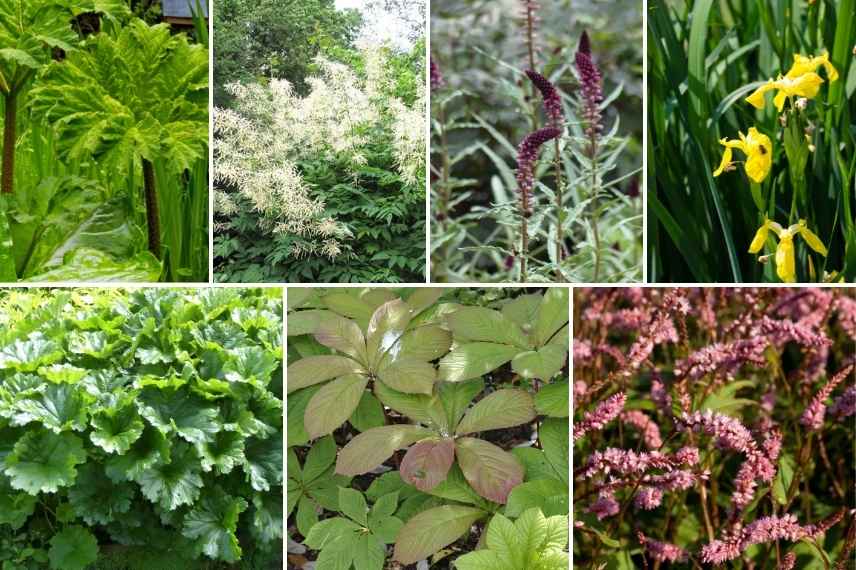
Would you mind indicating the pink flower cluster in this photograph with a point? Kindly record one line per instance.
(765, 529)
(661, 551)
(605, 412)
(814, 413)
(650, 431)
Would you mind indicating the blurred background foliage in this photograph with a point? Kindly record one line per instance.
(479, 46)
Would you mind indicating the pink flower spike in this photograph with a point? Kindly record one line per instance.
(814, 413)
(845, 405)
(649, 429)
(605, 412)
(527, 154)
(662, 551)
(788, 561)
(605, 506)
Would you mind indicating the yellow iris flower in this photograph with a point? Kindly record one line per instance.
(759, 154)
(785, 260)
(801, 80)
(803, 65)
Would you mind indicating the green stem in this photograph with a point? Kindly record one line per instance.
(152, 214)
(9, 135)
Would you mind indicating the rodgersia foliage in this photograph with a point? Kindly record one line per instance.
(415, 415)
(714, 427)
(150, 420)
(321, 172)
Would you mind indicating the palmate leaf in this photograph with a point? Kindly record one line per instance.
(115, 429)
(212, 524)
(73, 548)
(252, 364)
(140, 93)
(333, 404)
(263, 462)
(15, 507)
(42, 462)
(180, 412)
(474, 359)
(372, 447)
(28, 355)
(96, 499)
(223, 453)
(173, 484)
(150, 448)
(58, 407)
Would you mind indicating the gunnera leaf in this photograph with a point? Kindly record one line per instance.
(42, 462)
(175, 483)
(28, 355)
(212, 524)
(73, 548)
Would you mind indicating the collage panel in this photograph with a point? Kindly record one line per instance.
(751, 142)
(141, 428)
(427, 427)
(536, 141)
(319, 141)
(713, 427)
(105, 142)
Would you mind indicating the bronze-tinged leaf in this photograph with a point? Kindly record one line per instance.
(431, 530)
(490, 470)
(385, 329)
(410, 376)
(343, 335)
(316, 369)
(474, 359)
(426, 464)
(374, 446)
(423, 298)
(333, 404)
(502, 409)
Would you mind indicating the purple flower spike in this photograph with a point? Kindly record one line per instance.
(437, 81)
(591, 83)
(552, 100)
(527, 154)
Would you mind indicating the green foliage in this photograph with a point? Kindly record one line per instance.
(151, 417)
(701, 67)
(270, 38)
(447, 430)
(77, 212)
(532, 542)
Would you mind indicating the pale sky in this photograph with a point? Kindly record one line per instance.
(379, 26)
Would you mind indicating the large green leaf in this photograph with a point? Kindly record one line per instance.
(386, 327)
(73, 548)
(492, 471)
(115, 429)
(212, 524)
(431, 530)
(552, 314)
(372, 447)
(42, 462)
(15, 508)
(501, 409)
(426, 342)
(179, 412)
(341, 334)
(548, 495)
(96, 499)
(138, 93)
(59, 407)
(352, 504)
(92, 265)
(173, 484)
(474, 359)
(554, 399)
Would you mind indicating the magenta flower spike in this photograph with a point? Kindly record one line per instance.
(591, 85)
(605, 412)
(527, 155)
(437, 80)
